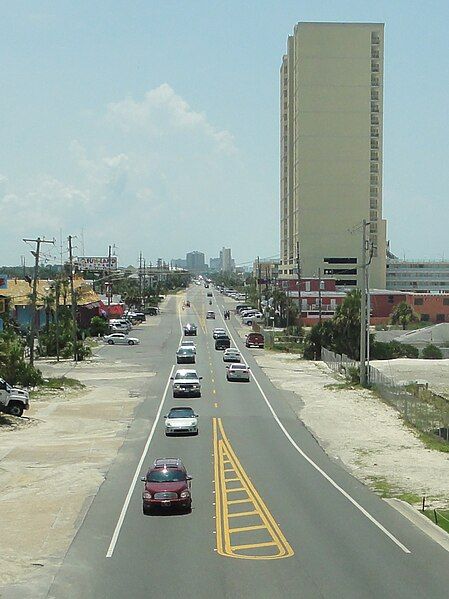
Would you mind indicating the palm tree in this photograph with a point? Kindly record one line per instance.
(403, 314)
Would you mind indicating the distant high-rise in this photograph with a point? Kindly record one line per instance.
(215, 263)
(331, 109)
(226, 261)
(195, 262)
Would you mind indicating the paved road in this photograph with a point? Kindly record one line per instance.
(272, 515)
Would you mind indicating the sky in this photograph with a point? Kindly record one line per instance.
(153, 126)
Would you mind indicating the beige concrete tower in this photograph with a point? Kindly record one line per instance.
(331, 109)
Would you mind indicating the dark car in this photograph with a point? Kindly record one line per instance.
(209, 294)
(254, 340)
(167, 485)
(151, 311)
(190, 329)
(185, 355)
(139, 317)
(222, 342)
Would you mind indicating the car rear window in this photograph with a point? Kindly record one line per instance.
(165, 476)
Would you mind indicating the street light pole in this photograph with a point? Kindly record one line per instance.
(363, 314)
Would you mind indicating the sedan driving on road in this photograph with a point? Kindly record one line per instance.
(217, 332)
(232, 355)
(185, 355)
(189, 329)
(181, 421)
(210, 314)
(167, 484)
(186, 383)
(237, 372)
(191, 344)
(120, 339)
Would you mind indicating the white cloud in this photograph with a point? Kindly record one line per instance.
(161, 110)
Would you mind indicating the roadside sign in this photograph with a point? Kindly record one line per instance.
(3, 281)
(96, 263)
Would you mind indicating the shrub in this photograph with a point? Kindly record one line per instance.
(432, 352)
(98, 326)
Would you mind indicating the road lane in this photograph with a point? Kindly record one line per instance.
(337, 551)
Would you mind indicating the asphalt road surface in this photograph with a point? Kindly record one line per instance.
(272, 515)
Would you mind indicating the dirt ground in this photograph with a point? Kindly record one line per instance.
(53, 461)
(435, 372)
(356, 427)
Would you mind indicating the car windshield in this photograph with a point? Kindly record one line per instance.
(165, 476)
(238, 367)
(185, 351)
(186, 375)
(181, 413)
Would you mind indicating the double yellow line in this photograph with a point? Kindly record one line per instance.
(236, 498)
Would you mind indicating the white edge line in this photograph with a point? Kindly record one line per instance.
(317, 468)
(122, 516)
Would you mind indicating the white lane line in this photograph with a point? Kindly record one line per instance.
(317, 468)
(122, 516)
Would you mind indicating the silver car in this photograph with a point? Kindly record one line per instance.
(181, 420)
(232, 355)
(186, 382)
(237, 372)
(120, 339)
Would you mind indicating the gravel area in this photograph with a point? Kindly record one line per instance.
(356, 427)
(435, 372)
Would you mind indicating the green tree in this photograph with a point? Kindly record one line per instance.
(346, 336)
(13, 367)
(403, 314)
(98, 326)
(432, 352)
(320, 335)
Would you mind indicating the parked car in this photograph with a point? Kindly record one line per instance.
(13, 400)
(181, 420)
(210, 314)
(120, 339)
(188, 343)
(245, 313)
(222, 342)
(190, 329)
(218, 332)
(240, 307)
(237, 372)
(209, 294)
(186, 383)
(137, 316)
(254, 340)
(120, 326)
(232, 355)
(152, 311)
(185, 355)
(167, 485)
(256, 317)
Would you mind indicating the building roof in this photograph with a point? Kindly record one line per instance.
(19, 292)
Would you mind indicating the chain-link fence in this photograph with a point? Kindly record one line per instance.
(422, 408)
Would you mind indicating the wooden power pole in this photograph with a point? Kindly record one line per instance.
(73, 302)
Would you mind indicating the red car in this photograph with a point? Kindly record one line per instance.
(254, 339)
(167, 484)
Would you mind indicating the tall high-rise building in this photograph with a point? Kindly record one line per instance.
(195, 262)
(331, 109)
(226, 262)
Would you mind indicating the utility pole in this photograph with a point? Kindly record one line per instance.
(36, 254)
(363, 319)
(258, 283)
(298, 268)
(109, 275)
(140, 277)
(144, 281)
(320, 309)
(73, 302)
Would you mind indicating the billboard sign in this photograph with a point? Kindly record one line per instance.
(96, 263)
(3, 281)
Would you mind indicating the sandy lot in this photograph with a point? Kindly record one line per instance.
(356, 427)
(435, 372)
(53, 461)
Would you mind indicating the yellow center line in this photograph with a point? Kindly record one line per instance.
(267, 544)
(241, 514)
(234, 501)
(215, 405)
(230, 480)
(235, 490)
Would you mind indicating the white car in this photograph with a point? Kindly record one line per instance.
(181, 420)
(186, 382)
(257, 317)
(190, 344)
(232, 355)
(120, 339)
(237, 372)
(218, 333)
(248, 312)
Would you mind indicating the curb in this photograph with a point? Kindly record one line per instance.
(426, 525)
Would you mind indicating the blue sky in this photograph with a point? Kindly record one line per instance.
(154, 125)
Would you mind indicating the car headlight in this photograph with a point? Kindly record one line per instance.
(146, 495)
(184, 494)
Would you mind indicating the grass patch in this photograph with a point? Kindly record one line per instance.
(433, 442)
(383, 488)
(343, 386)
(58, 383)
(442, 518)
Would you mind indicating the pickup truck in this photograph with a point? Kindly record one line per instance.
(13, 400)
